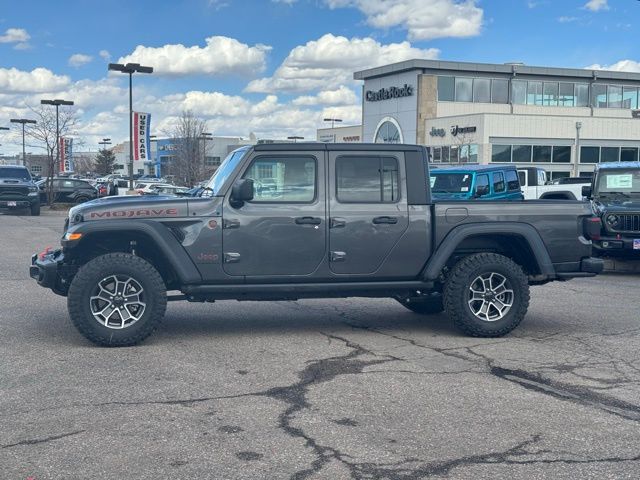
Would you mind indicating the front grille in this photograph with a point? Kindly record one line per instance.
(629, 222)
(13, 190)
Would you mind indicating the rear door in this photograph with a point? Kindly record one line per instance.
(368, 210)
(282, 231)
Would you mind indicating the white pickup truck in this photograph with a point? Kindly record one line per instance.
(533, 181)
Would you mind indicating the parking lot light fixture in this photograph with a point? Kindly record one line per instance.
(295, 138)
(57, 102)
(130, 68)
(104, 143)
(23, 121)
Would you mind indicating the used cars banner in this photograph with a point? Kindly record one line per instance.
(141, 141)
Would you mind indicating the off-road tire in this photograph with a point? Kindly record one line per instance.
(458, 284)
(424, 306)
(35, 209)
(94, 271)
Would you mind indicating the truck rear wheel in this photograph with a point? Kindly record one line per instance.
(486, 295)
(117, 300)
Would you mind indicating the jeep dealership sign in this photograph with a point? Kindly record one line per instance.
(389, 93)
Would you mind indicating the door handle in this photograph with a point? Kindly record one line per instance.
(308, 221)
(337, 222)
(387, 220)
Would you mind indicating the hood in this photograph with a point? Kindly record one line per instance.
(616, 204)
(133, 206)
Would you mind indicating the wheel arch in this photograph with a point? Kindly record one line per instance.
(561, 195)
(518, 241)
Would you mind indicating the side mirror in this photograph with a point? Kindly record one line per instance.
(242, 191)
(482, 190)
(587, 191)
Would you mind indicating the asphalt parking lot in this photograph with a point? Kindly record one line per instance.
(318, 389)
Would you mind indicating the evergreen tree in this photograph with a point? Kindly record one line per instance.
(104, 162)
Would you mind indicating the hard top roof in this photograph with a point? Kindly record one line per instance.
(618, 165)
(472, 168)
(308, 146)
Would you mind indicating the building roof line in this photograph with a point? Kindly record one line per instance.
(508, 69)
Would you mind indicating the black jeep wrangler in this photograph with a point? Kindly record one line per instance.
(292, 221)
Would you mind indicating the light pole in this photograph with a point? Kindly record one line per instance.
(57, 102)
(295, 138)
(130, 68)
(154, 138)
(577, 155)
(104, 142)
(23, 121)
(333, 121)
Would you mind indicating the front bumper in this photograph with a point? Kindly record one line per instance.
(49, 270)
(17, 203)
(589, 267)
(622, 245)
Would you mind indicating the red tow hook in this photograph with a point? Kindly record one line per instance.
(44, 253)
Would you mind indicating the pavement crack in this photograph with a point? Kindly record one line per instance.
(36, 441)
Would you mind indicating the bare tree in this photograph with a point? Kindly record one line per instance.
(188, 164)
(43, 134)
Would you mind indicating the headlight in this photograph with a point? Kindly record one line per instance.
(33, 191)
(612, 220)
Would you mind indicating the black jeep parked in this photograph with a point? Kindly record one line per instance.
(69, 190)
(17, 189)
(615, 197)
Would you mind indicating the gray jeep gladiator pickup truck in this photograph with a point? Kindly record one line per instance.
(292, 221)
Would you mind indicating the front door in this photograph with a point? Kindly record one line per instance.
(282, 231)
(367, 208)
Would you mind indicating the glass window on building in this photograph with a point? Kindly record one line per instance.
(481, 90)
(521, 153)
(630, 97)
(542, 153)
(599, 95)
(464, 153)
(445, 154)
(387, 133)
(566, 95)
(437, 154)
(453, 154)
(534, 93)
(473, 153)
(501, 153)
(550, 94)
(498, 182)
(446, 89)
(614, 96)
(464, 89)
(582, 94)
(499, 91)
(609, 154)
(561, 154)
(519, 92)
(589, 154)
(628, 154)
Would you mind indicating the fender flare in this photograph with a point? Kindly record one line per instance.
(457, 235)
(166, 242)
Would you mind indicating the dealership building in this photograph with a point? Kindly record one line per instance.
(565, 120)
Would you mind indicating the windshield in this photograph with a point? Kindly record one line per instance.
(618, 181)
(225, 169)
(450, 183)
(15, 173)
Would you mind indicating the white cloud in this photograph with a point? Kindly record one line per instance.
(566, 19)
(105, 55)
(79, 59)
(621, 66)
(38, 80)
(288, 2)
(423, 19)
(15, 35)
(220, 56)
(341, 96)
(330, 61)
(596, 5)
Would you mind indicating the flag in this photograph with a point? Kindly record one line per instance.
(141, 141)
(66, 154)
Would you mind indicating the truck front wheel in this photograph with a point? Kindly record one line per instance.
(117, 300)
(486, 295)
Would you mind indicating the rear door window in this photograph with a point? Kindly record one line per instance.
(365, 179)
(498, 182)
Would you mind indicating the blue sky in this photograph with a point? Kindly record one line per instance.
(275, 67)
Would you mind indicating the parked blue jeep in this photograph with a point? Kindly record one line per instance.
(476, 182)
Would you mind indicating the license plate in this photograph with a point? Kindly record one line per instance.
(636, 244)
(13, 204)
